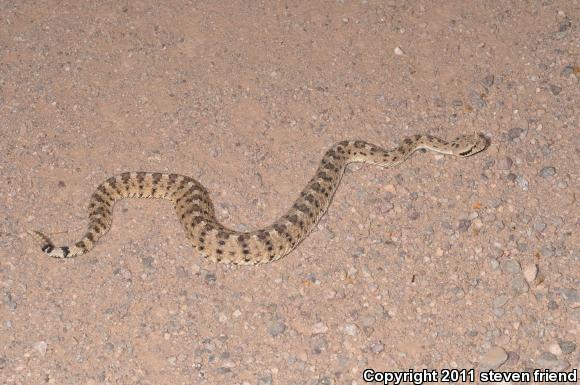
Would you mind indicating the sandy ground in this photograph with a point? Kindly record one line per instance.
(440, 263)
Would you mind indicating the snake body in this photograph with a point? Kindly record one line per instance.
(196, 212)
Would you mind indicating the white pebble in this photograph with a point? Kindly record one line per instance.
(319, 328)
(555, 349)
(398, 51)
(351, 329)
(40, 347)
(530, 272)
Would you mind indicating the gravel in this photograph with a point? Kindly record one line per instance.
(463, 225)
(519, 285)
(276, 328)
(505, 163)
(319, 328)
(539, 227)
(492, 359)
(500, 301)
(547, 251)
(350, 329)
(265, 380)
(530, 272)
(550, 361)
(511, 266)
(515, 133)
(395, 269)
(522, 182)
(377, 347)
(567, 346)
(547, 172)
(488, 80)
(477, 100)
(9, 301)
(555, 89)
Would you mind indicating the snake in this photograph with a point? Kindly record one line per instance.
(218, 243)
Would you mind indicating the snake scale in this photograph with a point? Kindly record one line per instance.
(196, 212)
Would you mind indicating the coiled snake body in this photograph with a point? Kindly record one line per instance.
(196, 211)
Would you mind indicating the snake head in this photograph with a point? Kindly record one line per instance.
(467, 145)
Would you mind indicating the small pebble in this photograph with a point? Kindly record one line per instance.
(398, 51)
(530, 272)
(547, 172)
(567, 71)
(547, 251)
(522, 246)
(555, 349)
(464, 225)
(493, 359)
(511, 266)
(500, 301)
(148, 262)
(515, 133)
(9, 301)
(488, 164)
(539, 227)
(522, 182)
(377, 347)
(276, 328)
(549, 361)
(558, 221)
(266, 380)
(513, 358)
(571, 295)
(368, 321)
(41, 347)
(555, 89)
(472, 333)
(459, 292)
(195, 269)
(319, 328)
(575, 314)
(567, 346)
(477, 100)
(519, 285)
(488, 80)
(210, 278)
(351, 329)
(319, 345)
(505, 163)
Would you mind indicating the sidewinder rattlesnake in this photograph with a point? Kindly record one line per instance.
(196, 212)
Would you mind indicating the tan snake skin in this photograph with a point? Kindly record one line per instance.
(196, 212)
